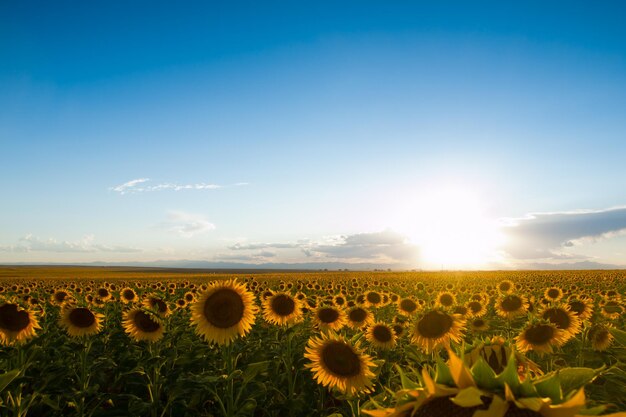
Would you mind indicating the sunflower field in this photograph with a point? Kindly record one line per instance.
(424, 344)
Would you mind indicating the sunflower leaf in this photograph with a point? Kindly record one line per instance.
(406, 382)
(510, 376)
(619, 335)
(575, 378)
(7, 377)
(550, 386)
(468, 397)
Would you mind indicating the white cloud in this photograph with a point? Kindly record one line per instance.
(186, 224)
(139, 186)
(547, 235)
(384, 246)
(31, 243)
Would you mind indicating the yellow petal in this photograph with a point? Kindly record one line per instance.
(428, 381)
(567, 409)
(468, 397)
(460, 373)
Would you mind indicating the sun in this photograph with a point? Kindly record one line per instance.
(452, 230)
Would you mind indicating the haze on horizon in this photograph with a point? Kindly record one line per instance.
(426, 135)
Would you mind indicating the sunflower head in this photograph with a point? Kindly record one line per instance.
(142, 324)
(282, 309)
(80, 321)
(436, 328)
(329, 318)
(336, 363)
(225, 311)
(16, 323)
(381, 336)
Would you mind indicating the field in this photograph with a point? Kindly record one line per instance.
(151, 342)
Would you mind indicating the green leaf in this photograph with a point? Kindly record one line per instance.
(484, 375)
(7, 377)
(254, 369)
(406, 382)
(619, 335)
(509, 376)
(443, 376)
(550, 386)
(575, 378)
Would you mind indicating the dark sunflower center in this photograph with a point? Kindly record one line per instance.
(340, 359)
(128, 295)
(434, 324)
(474, 306)
(82, 317)
(443, 407)
(13, 319)
(398, 329)
(462, 310)
(224, 308)
(60, 296)
(479, 323)
(283, 305)
(612, 307)
(511, 303)
(189, 297)
(382, 333)
(373, 297)
(103, 292)
(600, 336)
(558, 317)
(539, 334)
(327, 315)
(577, 307)
(357, 315)
(553, 293)
(446, 300)
(145, 323)
(408, 305)
(505, 286)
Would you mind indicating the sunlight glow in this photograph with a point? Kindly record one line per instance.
(452, 230)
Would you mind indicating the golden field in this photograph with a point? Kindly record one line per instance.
(163, 342)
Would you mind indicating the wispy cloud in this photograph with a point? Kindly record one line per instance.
(186, 224)
(139, 186)
(547, 235)
(31, 243)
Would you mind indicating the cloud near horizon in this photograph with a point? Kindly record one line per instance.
(139, 186)
(31, 243)
(547, 235)
(384, 246)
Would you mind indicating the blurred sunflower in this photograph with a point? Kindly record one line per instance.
(511, 306)
(540, 336)
(156, 303)
(359, 317)
(600, 337)
(329, 318)
(223, 312)
(336, 363)
(128, 295)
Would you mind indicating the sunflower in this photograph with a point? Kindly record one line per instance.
(475, 309)
(156, 303)
(612, 309)
(223, 312)
(104, 294)
(511, 306)
(281, 309)
(373, 299)
(582, 307)
(541, 336)
(445, 299)
(80, 321)
(142, 324)
(478, 324)
(128, 295)
(359, 317)
(336, 363)
(16, 323)
(553, 294)
(407, 306)
(329, 318)
(506, 286)
(436, 328)
(381, 336)
(600, 337)
(59, 297)
(563, 319)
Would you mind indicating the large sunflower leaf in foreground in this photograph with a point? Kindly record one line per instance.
(460, 391)
(223, 312)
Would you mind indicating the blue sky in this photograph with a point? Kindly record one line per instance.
(317, 131)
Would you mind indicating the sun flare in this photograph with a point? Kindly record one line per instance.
(452, 230)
